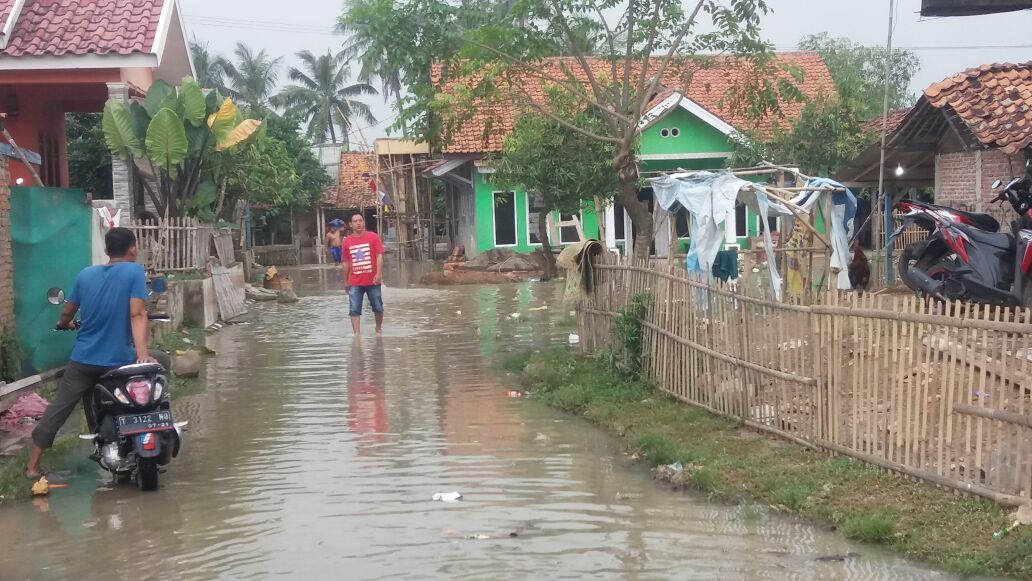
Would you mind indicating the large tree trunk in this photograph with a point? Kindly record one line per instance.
(641, 217)
(546, 245)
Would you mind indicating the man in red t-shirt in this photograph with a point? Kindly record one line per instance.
(363, 272)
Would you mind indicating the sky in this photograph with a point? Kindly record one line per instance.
(944, 45)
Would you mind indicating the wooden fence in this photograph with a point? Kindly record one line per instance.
(181, 244)
(937, 391)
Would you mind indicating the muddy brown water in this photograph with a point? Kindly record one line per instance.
(314, 455)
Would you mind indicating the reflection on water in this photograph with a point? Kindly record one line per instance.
(314, 454)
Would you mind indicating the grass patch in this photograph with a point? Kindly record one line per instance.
(875, 527)
(185, 338)
(66, 454)
(738, 465)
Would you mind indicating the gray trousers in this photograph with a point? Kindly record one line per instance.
(77, 381)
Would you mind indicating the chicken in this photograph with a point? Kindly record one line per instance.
(859, 269)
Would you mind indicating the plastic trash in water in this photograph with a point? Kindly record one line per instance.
(41, 487)
(446, 497)
(676, 467)
(574, 339)
(478, 537)
(513, 393)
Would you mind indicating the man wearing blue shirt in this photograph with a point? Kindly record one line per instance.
(111, 299)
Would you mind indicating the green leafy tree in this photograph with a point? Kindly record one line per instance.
(312, 178)
(859, 73)
(172, 137)
(210, 69)
(89, 161)
(323, 97)
(565, 168)
(253, 75)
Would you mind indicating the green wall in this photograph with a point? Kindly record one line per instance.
(485, 192)
(695, 136)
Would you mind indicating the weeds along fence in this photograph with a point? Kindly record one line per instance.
(936, 391)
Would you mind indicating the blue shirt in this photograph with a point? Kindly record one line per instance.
(102, 292)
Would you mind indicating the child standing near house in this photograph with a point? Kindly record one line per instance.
(333, 241)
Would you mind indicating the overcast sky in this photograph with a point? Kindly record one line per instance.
(286, 27)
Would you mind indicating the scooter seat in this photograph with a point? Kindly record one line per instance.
(133, 370)
(997, 239)
(980, 221)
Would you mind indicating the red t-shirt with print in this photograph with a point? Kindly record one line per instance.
(361, 251)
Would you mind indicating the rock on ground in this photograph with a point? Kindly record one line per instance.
(505, 260)
(287, 296)
(188, 364)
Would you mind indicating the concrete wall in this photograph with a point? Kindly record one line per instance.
(6, 262)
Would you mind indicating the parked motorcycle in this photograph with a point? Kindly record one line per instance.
(965, 256)
(130, 409)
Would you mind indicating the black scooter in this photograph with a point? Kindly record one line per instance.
(130, 412)
(964, 256)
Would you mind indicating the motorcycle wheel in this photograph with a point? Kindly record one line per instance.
(147, 474)
(932, 264)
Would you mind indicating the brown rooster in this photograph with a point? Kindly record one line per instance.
(859, 269)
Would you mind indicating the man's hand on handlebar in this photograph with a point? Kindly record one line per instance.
(70, 326)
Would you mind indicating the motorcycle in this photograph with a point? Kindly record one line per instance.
(131, 410)
(965, 256)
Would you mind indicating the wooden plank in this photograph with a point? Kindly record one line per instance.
(230, 299)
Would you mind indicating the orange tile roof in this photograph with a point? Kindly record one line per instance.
(994, 101)
(708, 85)
(353, 191)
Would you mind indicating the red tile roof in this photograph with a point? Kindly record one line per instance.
(896, 116)
(994, 101)
(708, 87)
(78, 27)
(353, 191)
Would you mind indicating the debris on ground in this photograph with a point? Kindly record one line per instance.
(541, 308)
(837, 558)
(23, 413)
(259, 294)
(677, 475)
(506, 260)
(478, 537)
(513, 393)
(41, 487)
(1023, 516)
(574, 339)
(446, 497)
(276, 281)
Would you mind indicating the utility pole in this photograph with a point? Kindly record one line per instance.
(887, 199)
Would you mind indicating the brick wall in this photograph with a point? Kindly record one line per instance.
(964, 180)
(6, 263)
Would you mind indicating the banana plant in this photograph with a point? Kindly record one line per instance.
(172, 138)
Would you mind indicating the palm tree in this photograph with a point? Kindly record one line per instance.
(209, 68)
(323, 97)
(253, 76)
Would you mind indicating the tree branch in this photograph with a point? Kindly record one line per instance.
(650, 43)
(577, 52)
(551, 115)
(668, 57)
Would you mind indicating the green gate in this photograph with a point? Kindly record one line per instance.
(50, 243)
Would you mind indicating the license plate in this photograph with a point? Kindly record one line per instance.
(139, 423)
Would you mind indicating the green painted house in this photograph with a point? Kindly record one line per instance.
(679, 131)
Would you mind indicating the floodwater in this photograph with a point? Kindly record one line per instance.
(314, 455)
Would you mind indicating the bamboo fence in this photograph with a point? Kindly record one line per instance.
(177, 244)
(936, 391)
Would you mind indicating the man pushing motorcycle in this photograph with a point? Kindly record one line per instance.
(111, 300)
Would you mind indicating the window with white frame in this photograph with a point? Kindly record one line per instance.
(741, 221)
(618, 221)
(505, 218)
(568, 234)
(534, 206)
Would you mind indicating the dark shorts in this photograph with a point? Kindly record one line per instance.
(335, 253)
(77, 381)
(372, 291)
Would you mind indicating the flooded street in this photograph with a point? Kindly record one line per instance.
(314, 455)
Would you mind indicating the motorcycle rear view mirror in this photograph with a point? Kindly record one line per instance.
(55, 296)
(159, 285)
(997, 184)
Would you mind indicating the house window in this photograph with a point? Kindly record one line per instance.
(664, 132)
(534, 206)
(741, 221)
(681, 223)
(618, 221)
(772, 222)
(669, 132)
(505, 218)
(568, 234)
(674, 132)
